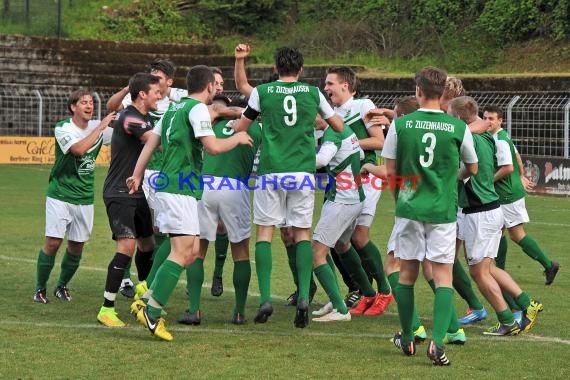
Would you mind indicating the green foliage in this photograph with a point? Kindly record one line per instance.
(154, 20)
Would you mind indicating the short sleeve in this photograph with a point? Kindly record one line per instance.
(201, 121)
(390, 144)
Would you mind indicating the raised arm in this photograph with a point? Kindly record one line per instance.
(115, 102)
(83, 145)
(241, 52)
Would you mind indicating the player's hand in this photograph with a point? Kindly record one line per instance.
(242, 51)
(133, 184)
(243, 138)
(365, 169)
(527, 183)
(107, 120)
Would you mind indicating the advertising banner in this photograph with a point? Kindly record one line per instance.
(37, 151)
(551, 175)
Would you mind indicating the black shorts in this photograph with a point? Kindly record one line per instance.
(129, 218)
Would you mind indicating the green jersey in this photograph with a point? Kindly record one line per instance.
(162, 106)
(236, 163)
(342, 152)
(427, 146)
(478, 192)
(288, 110)
(352, 113)
(180, 129)
(72, 177)
(510, 187)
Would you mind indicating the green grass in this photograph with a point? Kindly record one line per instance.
(64, 340)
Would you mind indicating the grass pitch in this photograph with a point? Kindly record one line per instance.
(64, 340)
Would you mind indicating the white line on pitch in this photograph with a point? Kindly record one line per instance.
(293, 332)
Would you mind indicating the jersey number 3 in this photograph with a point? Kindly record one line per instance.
(290, 107)
(427, 159)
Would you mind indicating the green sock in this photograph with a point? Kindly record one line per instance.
(304, 261)
(453, 325)
(164, 284)
(69, 266)
(221, 250)
(159, 238)
(506, 317)
(441, 314)
(431, 284)
(327, 279)
(263, 265)
(462, 285)
(242, 276)
(330, 261)
(404, 295)
(393, 278)
(372, 262)
(44, 266)
(511, 301)
(353, 266)
(501, 259)
(159, 256)
(292, 261)
(531, 248)
(194, 282)
(523, 301)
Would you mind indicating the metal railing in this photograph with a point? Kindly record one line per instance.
(538, 123)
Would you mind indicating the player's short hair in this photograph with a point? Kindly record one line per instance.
(76, 96)
(141, 82)
(222, 98)
(198, 78)
(464, 108)
(406, 105)
(216, 70)
(431, 81)
(453, 88)
(163, 65)
(288, 61)
(345, 74)
(494, 109)
(240, 101)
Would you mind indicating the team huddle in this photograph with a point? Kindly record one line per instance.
(461, 182)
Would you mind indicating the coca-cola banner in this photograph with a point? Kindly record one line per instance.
(551, 175)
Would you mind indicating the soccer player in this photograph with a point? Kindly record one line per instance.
(511, 190)
(285, 190)
(427, 145)
(225, 199)
(340, 85)
(481, 229)
(184, 131)
(69, 198)
(341, 154)
(129, 215)
(165, 70)
(241, 52)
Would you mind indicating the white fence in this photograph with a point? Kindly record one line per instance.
(539, 123)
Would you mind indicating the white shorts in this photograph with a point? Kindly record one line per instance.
(232, 207)
(372, 194)
(63, 217)
(419, 241)
(460, 226)
(337, 223)
(482, 235)
(284, 198)
(391, 247)
(150, 194)
(177, 214)
(515, 213)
